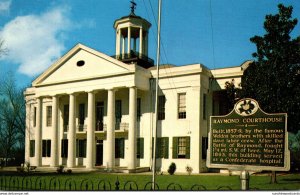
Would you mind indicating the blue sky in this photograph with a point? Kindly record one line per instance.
(215, 33)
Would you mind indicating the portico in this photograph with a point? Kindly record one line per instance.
(127, 127)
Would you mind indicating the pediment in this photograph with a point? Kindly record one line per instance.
(82, 63)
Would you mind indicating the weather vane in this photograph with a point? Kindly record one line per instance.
(133, 6)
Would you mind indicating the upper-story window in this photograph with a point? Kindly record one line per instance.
(81, 113)
(182, 105)
(81, 117)
(161, 107)
(49, 116)
(118, 114)
(66, 117)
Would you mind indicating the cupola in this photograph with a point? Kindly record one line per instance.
(132, 39)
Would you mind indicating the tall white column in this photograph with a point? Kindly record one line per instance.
(123, 46)
(132, 129)
(27, 132)
(54, 142)
(38, 133)
(90, 131)
(129, 40)
(118, 42)
(71, 133)
(134, 44)
(110, 128)
(146, 44)
(141, 41)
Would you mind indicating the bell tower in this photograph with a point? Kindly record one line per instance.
(132, 39)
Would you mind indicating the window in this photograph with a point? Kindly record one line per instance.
(81, 117)
(99, 116)
(32, 148)
(162, 147)
(49, 116)
(140, 148)
(34, 117)
(66, 117)
(182, 105)
(181, 147)
(46, 148)
(161, 107)
(204, 106)
(119, 147)
(118, 114)
(64, 148)
(80, 63)
(138, 109)
(81, 148)
(204, 147)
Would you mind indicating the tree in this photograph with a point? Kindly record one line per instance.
(12, 117)
(274, 76)
(232, 92)
(294, 146)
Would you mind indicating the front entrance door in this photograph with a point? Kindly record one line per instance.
(99, 153)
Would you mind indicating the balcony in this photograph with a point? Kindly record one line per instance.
(135, 57)
(81, 128)
(100, 127)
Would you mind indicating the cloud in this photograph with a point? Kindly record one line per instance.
(35, 41)
(5, 6)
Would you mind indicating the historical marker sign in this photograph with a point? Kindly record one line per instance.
(249, 139)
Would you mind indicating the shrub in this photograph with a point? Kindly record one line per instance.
(189, 169)
(172, 168)
(69, 171)
(20, 169)
(60, 169)
(27, 166)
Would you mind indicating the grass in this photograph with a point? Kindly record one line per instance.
(90, 181)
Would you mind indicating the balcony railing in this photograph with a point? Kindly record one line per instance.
(81, 128)
(134, 56)
(99, 127)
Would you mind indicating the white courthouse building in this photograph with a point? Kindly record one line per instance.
(92, 110)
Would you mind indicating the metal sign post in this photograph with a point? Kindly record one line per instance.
(244, 177)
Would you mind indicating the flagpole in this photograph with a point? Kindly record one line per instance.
(156, 96)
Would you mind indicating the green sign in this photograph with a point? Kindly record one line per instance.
(248, 139)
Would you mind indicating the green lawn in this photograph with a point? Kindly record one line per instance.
(90, 181)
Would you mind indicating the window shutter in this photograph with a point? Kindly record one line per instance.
(140, 147)
(175, 147)
(187, 147)
(44, 148)
(48, 148)
(77, 148)
(32, 148)
(166, 149)
(122, 147)
(84, 148)
(66, 147)
(159, 147)
(204, 147)
(62, 152)
(152, 147)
